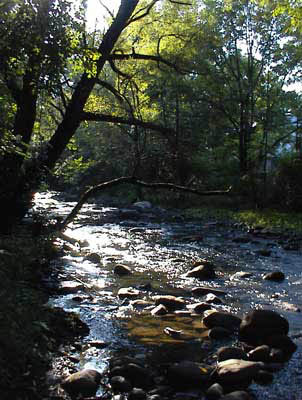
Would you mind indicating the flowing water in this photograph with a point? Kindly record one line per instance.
(160, 253)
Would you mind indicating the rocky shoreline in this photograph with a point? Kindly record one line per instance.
(242, 351)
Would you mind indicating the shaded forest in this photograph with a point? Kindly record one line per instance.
(196, 93)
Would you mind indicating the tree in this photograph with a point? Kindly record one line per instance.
(42, 62)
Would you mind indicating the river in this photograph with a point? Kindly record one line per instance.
(159, 251)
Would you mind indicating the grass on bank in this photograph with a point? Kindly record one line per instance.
(268, 219)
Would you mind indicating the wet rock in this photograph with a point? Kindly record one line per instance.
(69, 287)
(232, 371)
(138, 375)
(129, 293)
(199, 308)
(177, 334)
(188, 373)
(160, 310)
(120, 384)
(155, 397)
(120, 361)
(227, 353)
(183, 313)
(122, 270)
(93, 258)
(214, 392)
(222, 319)
(202, 272)
(260, 353)
(212, 299)
(241, 275)
(85, 383)
(203, 290)
(276, 276)
(143, 205)
(140, 304)
(258, 325)
(80, 298)
(202, 261)
(283, 342)
(263, 377)
(99, 344)
(137, 394)
(277, 356)
(219, 333)
(237, 395)
(170, 302)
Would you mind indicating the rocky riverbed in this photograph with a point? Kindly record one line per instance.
(170, 305)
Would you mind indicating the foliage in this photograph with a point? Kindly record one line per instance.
(288, 189)
(269, 219)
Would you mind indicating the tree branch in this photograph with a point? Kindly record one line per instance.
(134, 181)
(89, 116)
(147, 57)
(146, 12)
(111, 89)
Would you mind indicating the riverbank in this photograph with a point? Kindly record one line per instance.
(30, 331)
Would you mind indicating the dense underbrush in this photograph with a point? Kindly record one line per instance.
(30, 331)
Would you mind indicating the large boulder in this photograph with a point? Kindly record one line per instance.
(221, 319)
(232, 372)
(85, 383)
(259, 325)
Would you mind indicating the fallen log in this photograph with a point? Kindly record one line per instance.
(134, 181)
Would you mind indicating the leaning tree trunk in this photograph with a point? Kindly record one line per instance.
(16, 190)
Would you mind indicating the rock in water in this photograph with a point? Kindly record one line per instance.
(202, 272)
(121, 270)
(85, 383)
(258, 325)
(232, 372)
(221, 319)
(172, 303)
(276, 276)
(188, 374)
